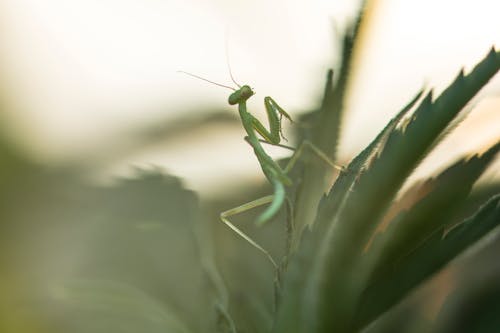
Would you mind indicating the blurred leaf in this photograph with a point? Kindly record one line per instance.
(111, 306)
(138, 235)
(473, 305)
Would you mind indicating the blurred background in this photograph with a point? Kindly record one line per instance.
(90, 93)
(83, 80)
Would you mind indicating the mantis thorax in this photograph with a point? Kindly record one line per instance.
(240, 95)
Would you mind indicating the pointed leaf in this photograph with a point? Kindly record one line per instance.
(325, 135)
(326, 299)
(413, 227)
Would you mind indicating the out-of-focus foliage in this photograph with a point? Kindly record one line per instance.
(82, 258)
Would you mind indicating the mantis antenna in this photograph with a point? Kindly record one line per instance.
(229, 66)
(202, 78)
(218, 84)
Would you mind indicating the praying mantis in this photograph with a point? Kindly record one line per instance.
(275, 174)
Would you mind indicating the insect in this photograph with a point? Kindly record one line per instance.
(275, 174)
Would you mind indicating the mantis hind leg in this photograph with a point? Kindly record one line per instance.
(318, 152)
(298, 152)
(243, 208)
(276, 200)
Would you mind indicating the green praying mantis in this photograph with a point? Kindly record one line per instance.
(275, 174)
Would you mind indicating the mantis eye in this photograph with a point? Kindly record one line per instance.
(246, 91)
(240, 95)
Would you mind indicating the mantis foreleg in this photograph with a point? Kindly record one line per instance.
(274, 115)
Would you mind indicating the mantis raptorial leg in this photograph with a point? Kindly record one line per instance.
(276, 175)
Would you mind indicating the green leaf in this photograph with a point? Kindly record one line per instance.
(325, 135)
(376, 187)
(341, 189)
(408, 230)
(326, 298)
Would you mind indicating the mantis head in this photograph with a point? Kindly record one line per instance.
(240, 95)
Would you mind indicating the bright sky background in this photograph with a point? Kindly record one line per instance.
(77, 75)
